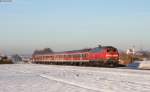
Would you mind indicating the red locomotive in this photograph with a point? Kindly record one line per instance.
(99, 56)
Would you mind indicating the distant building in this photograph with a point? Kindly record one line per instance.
(16, 59)
(26, 58)
(1, 57)
(5, 60)
(130, 51)
(44, 51)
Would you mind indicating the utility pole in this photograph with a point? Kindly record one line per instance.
(131, 53)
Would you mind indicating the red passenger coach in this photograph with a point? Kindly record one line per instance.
(98, 56)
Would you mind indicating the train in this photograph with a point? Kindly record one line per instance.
(97, 56)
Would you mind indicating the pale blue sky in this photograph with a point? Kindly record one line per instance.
(26, 25)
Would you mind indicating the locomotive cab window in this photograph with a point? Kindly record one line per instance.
(111, 50)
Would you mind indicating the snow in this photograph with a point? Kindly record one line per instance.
(144, 65)
(54, 78)
(139, 65)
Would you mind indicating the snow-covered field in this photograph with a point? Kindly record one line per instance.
(53, 78)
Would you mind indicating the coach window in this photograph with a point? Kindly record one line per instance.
(83, 55)
(86, 55)
(52, 56)
(39, 58)
(44, 57)
(80, 55)
(66, 56)
(76, 56)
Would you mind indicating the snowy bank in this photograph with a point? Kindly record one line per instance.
(144, 65)
(54, 78)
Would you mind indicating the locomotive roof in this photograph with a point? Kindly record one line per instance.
(108, 47)
(76, 51)
(82, 50)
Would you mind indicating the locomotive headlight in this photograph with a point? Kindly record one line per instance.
(109, 55)
(115, 55)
